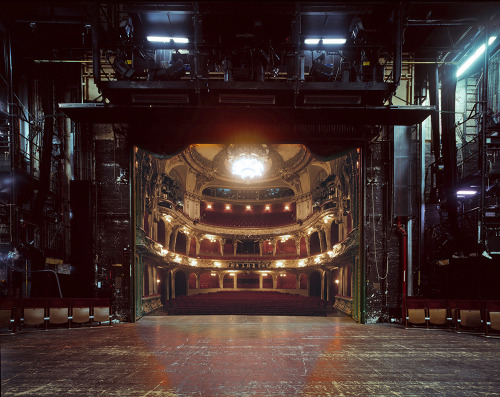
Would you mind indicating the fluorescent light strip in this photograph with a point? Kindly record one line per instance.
(473, 58)
(466, 192)
(164, 39)
(325, 41)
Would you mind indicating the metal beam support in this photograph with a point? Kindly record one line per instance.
(398, 51)
(484, 109)
(96, 51)
(449, 83)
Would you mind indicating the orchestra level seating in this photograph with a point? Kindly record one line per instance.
(248, 303)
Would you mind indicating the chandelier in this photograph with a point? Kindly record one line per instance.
(248, 161)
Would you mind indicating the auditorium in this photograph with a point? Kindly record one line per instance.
(240, 198)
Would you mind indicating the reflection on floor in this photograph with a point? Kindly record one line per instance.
(248, 356)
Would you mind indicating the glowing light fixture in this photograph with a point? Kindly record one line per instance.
(247, 161)
(287, 207)
(302, 263)
(209, 206)
(165, 39)
(264, 274)
(158, 281)
(466, 192)
(249, 207)
(268, 207)
(475, 56)
(217, 264)
(328, 40)
(232, 274)
(279, 264)
(337, 281)
(228, 207)
(248, 167)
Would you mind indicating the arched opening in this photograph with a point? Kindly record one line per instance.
(303, 247)
(228, 248)
(267, 281)
(247, 280)
(315, 284)
(303, 281)
(146, 223)
(210, 246)
(180, 244)
(286, 247)
(209, 280)
(192, 246)
(267, 248)
(286, 281)
(192, 281)
(334, 229)
(180, 283)
(315, 246)
(228, 280)
(161, 233)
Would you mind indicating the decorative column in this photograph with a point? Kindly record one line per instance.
(261, 244)
(308, 245)
(221, 278)
(261, 281)
(297, 276)
(321, 244)
(198, 243)
(297, 244)
(172, 279)
(322, 285)
(274, 243)
(275, 280)
(222, 241)
(197, 280)
(235, 246)
(174, 240)
(166, 243)
(235, 283)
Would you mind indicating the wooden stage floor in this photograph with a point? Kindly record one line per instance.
(248, 356)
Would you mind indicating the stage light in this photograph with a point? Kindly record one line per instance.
(475, 56)
(165, 39)
(326, 41)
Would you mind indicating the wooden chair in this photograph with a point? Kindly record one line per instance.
(80, 311)
(59, 311)
(469, 316)
(437, 311)
(101, 311)
(34, 312)
(491, 318)
(416, 313)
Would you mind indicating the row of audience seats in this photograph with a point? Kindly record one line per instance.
(480, 316)
(17, 313)
(248, 220)
(248, 303)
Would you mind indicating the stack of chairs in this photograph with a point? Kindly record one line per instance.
(248, 303)
(45, 313)
(463, 316)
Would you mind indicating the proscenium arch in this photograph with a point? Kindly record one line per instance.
(303, 244)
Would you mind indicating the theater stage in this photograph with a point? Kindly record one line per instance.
(248, 356)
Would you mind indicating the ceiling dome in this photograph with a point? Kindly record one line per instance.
(248, 165)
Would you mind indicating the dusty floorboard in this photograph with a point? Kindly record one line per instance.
(249, 356)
